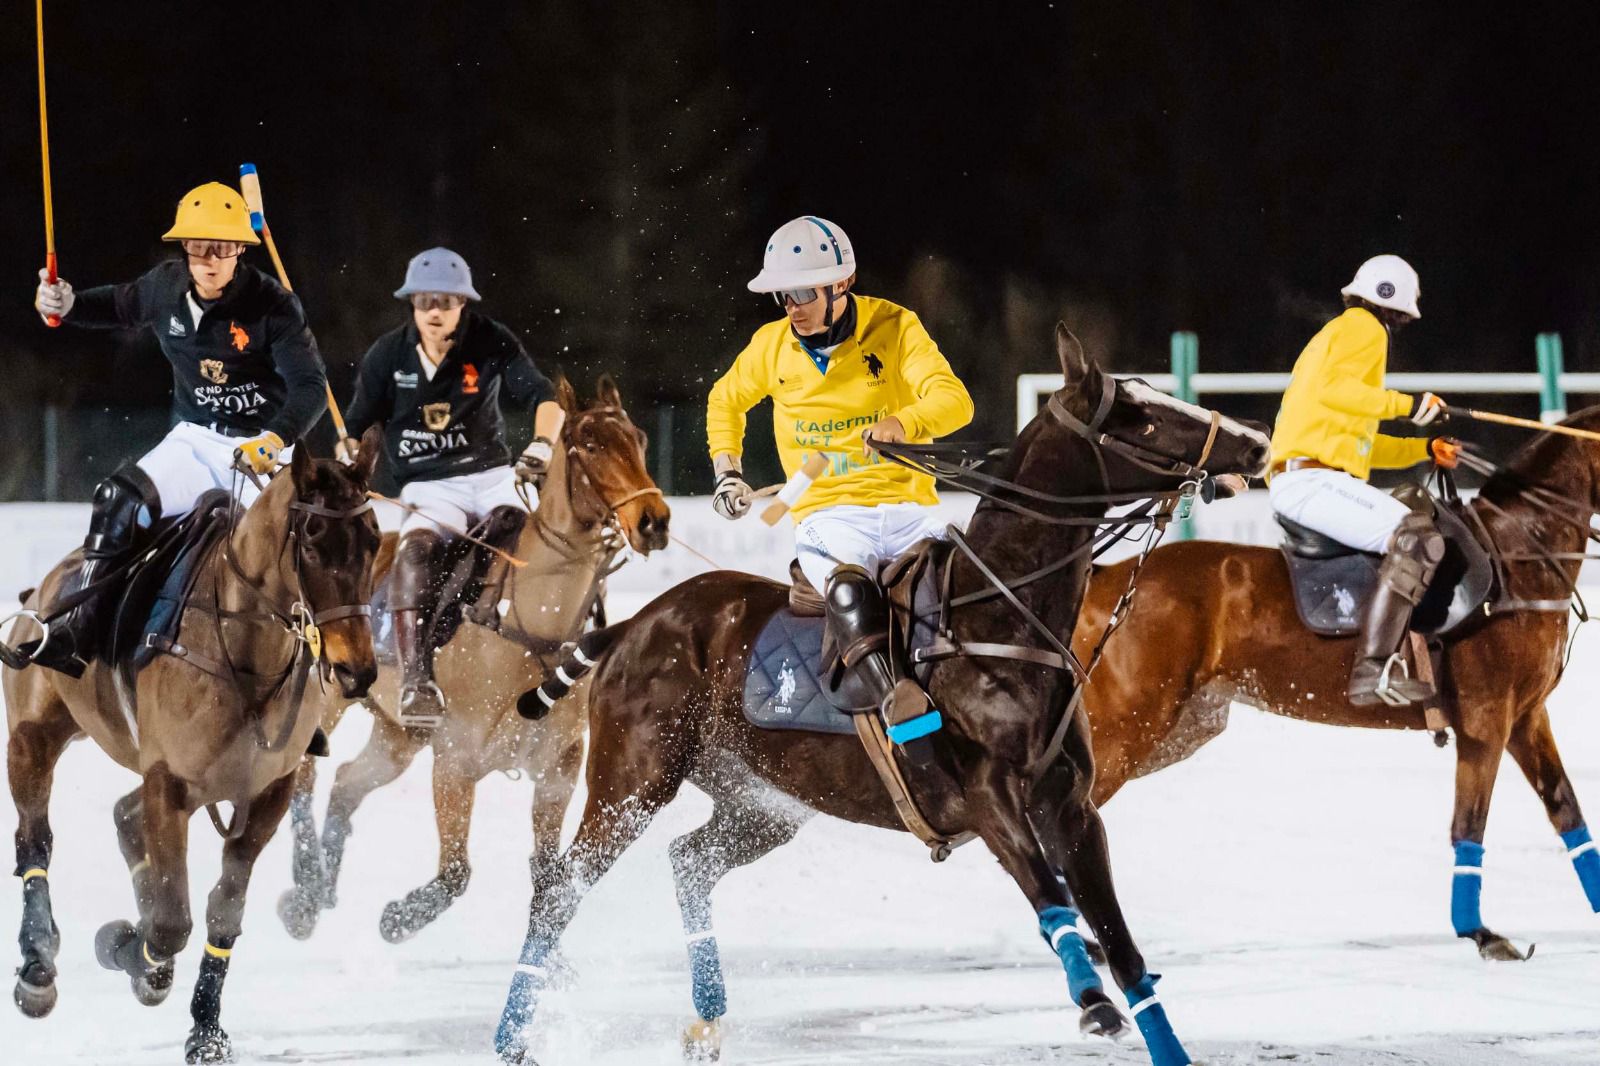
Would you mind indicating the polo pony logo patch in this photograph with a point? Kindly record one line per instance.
(240, 337)
(213, 371)
(874, 364)
(469, 379)
(436, 416)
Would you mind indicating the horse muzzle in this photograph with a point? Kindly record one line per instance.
(649, 532)
(350, 656)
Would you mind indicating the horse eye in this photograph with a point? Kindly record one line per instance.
(1149, 429)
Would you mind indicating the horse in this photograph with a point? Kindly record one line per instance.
(1012, 762)
(219, 719)
(598, 497)
(1189, 647)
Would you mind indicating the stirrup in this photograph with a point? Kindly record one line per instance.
(1385, 689)
(17, 658)
(410, 695)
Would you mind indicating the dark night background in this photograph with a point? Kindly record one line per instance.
(612, 171)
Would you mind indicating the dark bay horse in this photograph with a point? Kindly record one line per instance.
(293, 572)
(665, 707)
(1216, 622)
(597, 498)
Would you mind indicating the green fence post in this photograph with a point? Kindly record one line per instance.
(1552, 401)
(1185, 365)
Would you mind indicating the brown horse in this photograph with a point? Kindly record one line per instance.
(1216, 622)
(221, 723)
(665, 707)
(597, 496)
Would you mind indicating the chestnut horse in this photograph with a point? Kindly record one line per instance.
(597, 498)
(1217, 622)
(665, 706)
(223, 722)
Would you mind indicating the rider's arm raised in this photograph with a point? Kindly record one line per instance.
(299, 364)
(122, 306)
(942, 404)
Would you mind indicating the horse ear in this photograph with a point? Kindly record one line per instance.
(566, 395)
(367, 455)
(1075, 362)
(606, 391)
(302, 469)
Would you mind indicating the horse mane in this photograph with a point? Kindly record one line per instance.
(1534, 462)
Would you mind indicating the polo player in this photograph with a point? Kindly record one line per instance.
(435, 384)
(247, 379)
(840, 369)
(1326, 443)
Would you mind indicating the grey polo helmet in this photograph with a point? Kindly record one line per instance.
(438, 270)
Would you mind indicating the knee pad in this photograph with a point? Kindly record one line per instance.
(115, 512)
(856, 611)
(1415, 551)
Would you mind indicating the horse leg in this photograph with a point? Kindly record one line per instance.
(1477, 763)
(625, 792)
(1088, 869)
(145, 953)
(552, 794)
(1533, 745)
(207, 1042)
(35, 747)
(453, 793)
(740, 831)
(388, 752)
(299, 906)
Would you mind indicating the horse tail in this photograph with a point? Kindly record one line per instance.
(585, 654)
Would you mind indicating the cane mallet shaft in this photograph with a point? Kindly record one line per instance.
(1522, 423)
(44, 154)
(250, 185)
(795, 487)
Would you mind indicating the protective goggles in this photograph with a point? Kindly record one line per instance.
(212, 249)
(444, 301)
(798, 297)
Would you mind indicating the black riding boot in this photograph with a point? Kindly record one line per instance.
(413, 599)
(74, 639)
(858, 618)
(1380, 674)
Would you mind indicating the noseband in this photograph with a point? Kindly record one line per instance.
(575, 457)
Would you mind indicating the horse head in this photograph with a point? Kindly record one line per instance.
(334, 541)
(607, 478)
(1145, 438)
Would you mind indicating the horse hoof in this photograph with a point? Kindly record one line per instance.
(34, 1001)
(702, 1041)
(1102, 1019)
(1496, 948)
(110, 941)
(393, 926)
(298, 912)
(151, 989)
(208, 1045)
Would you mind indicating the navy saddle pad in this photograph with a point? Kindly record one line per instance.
(156, 591)
(782, 689)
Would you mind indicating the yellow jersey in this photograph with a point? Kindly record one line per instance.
(888, 366)
(1336, 398)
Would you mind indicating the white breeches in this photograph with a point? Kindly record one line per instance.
(866, 536)
(190, 461)
(1337, 505)
(461, 501)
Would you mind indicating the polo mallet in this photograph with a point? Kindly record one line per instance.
(250, 185)
(44, 153)
(795, 487)
(1521, 423)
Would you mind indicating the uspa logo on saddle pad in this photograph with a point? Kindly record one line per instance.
(436, 416)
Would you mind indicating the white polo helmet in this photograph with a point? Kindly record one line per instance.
(1387, 281)
(807, 253)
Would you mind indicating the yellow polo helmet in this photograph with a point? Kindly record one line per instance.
(212, 212)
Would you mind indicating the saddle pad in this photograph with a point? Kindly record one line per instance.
(1330, 594)
(781, 686)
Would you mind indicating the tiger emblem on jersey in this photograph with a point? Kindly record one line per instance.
(212, 370)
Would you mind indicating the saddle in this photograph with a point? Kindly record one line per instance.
(149, 610)
(1332, 582)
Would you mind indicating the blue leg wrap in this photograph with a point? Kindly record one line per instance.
(526, 984)
(1585, 856)
(705, 966)
(1058, 926)
(1466, 887)
(1151, 1016)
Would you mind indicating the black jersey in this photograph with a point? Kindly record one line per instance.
(449, 424)
(249, 364)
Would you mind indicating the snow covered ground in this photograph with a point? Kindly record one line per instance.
(1291, 881)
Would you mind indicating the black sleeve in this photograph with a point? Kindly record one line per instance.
(374, 398)
(115, 306)
(294, 353)
(526, 385)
